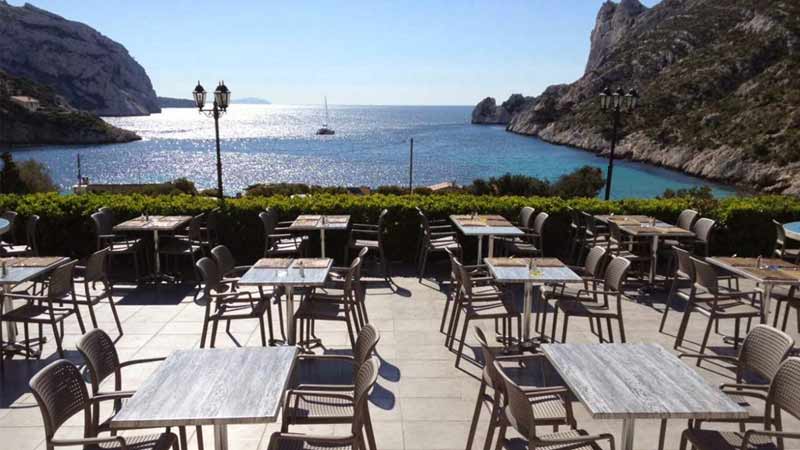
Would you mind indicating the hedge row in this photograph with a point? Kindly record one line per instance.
(744, 224)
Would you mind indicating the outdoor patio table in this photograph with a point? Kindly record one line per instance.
(489, 225)
(155, 224)
(217, 387)
(772, 272)
(289, 273)
(518, 270)
(643, 227)
(20, 270)
(637, 381)
(792, 230)
(322, 223)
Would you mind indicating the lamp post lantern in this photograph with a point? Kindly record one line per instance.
(222, 97)
(616, 103)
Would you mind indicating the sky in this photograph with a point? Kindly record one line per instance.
(357, 52)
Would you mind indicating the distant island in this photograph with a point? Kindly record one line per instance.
(717, 81)
(250, 101)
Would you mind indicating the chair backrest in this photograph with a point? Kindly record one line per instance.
(518, 411)
(455, 273)
(194, 232)
(106, 210)
(381, 225)
(210, 273)
(705, 276)
(464, 278)
(615, 232)
(269, 221)
(616, 272)
(96, 265)
(366, 342)
(60, 392)
(224, 259)
(539, 223)
(60, 281)
(490, 371)
(703, 228)
(784, 391)
(355, 266)
(588, 221)
(365, 379)
(426, 226)
(684, 263)
(575, 217)
(594, 261)
(525, 215)
(763, 350)
(780, 235)
(686, 218)
(103, 223)
(31, 233)
(101, 358)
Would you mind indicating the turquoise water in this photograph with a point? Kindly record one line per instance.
(276, 143)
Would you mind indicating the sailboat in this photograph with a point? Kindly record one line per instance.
(325, 130)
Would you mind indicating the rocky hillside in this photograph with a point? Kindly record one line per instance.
(91, 71)
(56, 122)
(719, 85)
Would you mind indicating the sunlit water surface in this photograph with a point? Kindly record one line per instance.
(276, 143)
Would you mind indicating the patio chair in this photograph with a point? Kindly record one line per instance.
(524, 222)
(436, 225)
(684, 272)
(583, 303)
(522, 414)
(42, 310)
(372, 237)
(483, 284)
(577, 234)
(231, 273)
(476, 302)
(118, 245)
(330, 306)
(782, 396)
(90, 275)
(719, 303)
(187, 246)
(337, 279)
(278, 241)
(209, 229)
(703, 230)
(356, 405)
(335, 371)
(761, 354)
(782, 248)
(532, 243)
(595, 234)
(435, 242)
(61, 393)
(787, 299)
(551, 403)
(591, 272)
(31, 245)
(634, 249)
(102, 361)
(223, 303)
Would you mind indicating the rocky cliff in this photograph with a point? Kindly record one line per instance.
(54, 122)
(488, 112)
(719, 87)
(91, 71)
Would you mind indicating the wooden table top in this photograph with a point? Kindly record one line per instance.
(153, 223)
(772, 271)
(320, 222)
(288, 274)
(638, 381)
(485, 225)
(22, 269)
(515, 270)
(211, 387)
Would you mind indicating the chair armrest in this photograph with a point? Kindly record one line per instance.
(25, 296)
(768, 433)
(364, 225)
(757, 395)
(108, 396)
(326, 357)
(280, 235)
(84, 442)
(364, 232)
(593, 292)
(323, 393)
(540, 391)
(325, 387)
(443, 234)
(579, 439)
(332, 441)
(133, 362)
(742, 388)
(731, 359)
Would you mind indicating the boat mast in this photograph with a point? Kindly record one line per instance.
(325, 125)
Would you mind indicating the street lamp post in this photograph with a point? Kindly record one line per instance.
(616, 103)
(222, 97)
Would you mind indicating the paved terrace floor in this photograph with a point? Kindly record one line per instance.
(421, 401)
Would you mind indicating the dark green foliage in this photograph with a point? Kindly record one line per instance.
(744, 223)
(35, 177)
(9, 175)
(584, 182)
(184, 185)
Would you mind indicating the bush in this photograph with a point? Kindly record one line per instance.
(744, 223)
(584, 182)
(184, 185)
(26, 177)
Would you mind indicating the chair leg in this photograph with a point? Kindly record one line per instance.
(447, 301)
(494, 420)
(262, 330)
(370, 432)
(214, 333)
(423, 264)
(564, 328)
(463, 338)
(621, 329)
(92, 317)
(682, 327)
(705, 338)
(777, 314)
(668, 303)
(453, 326)
(610, 330)
(662, 433)
(57, 338)
(476, 415)
(114, 312)
(199, 433)
(555, 322)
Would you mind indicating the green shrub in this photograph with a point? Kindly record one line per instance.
(584, 182)
(744, 222)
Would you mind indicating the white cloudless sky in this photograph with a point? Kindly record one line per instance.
(380, 52)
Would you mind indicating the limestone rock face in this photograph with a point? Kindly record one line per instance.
(91, 71)
(720, 96)
(487, 112)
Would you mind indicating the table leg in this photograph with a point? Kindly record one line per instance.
(221, 437)
(765, 303)
(480, 249)
(526, 312)
(155, 254)
(289, 316)
(491, 246)
(653, 260)
(322, 241)
(628, 427)
(11, 330)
